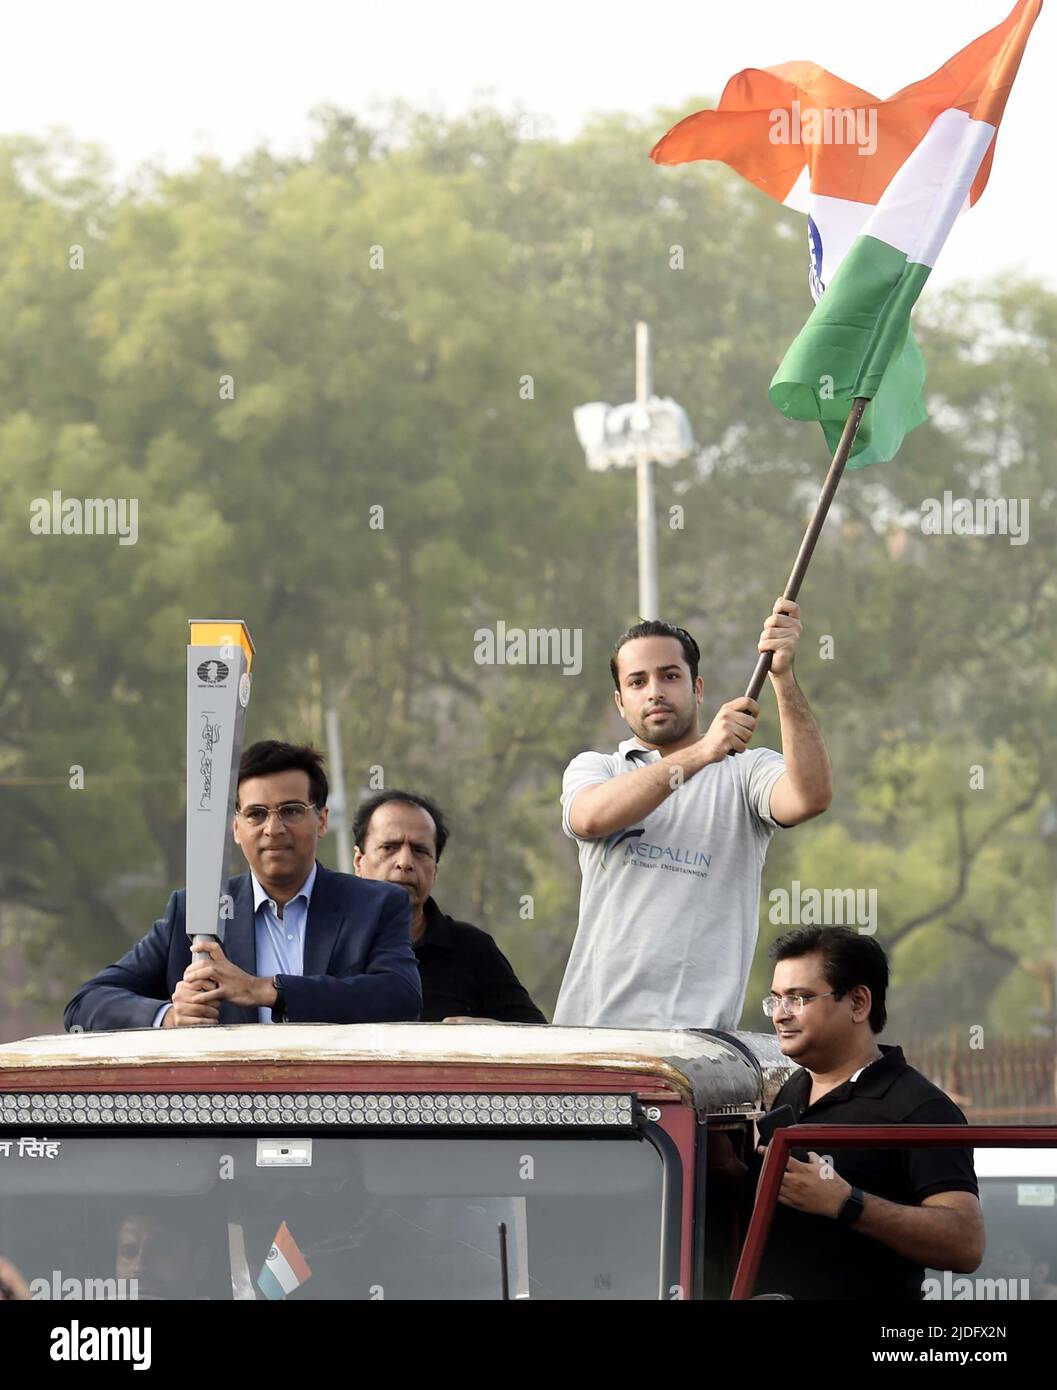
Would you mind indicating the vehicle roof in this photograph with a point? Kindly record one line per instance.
(1015, 1163)
(714, 1070)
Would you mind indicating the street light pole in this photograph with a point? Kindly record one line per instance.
(339, 803)
(640, 434)
(649, 596)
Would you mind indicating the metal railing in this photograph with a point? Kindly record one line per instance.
(1006, 1081)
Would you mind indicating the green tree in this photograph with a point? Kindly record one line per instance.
(340, 388)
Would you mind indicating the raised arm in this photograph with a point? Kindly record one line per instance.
(806, 787)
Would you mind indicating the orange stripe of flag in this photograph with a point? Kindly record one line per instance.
(285, 1243)
(976, 80)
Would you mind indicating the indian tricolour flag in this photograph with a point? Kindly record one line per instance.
(882, 183)
(285, 1269)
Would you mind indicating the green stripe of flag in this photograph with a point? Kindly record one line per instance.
(857, 342)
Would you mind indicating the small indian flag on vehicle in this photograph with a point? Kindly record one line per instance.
(285, 1269)
(882, 183)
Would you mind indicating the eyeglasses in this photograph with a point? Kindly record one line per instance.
(794, 1003)
(290, 813)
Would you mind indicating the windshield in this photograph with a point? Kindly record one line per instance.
(216, 1217)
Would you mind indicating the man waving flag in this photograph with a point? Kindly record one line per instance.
(882, 183)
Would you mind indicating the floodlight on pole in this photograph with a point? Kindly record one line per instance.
(639, 435)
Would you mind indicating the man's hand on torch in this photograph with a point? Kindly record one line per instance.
(219, 978)
(189, 1010)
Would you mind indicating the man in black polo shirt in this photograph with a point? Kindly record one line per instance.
(465, 976)
(869, 1224)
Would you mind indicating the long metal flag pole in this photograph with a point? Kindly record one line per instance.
(814, 530)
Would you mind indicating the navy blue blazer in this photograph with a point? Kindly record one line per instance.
(359, 965)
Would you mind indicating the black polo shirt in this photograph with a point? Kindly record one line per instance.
(465, 973)
(810, 1256)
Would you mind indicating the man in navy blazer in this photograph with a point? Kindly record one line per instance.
(304, 945)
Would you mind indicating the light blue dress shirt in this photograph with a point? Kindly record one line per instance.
(280, 940)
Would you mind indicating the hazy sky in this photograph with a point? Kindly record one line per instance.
(162, 81)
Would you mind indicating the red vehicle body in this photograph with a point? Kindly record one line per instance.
(408, 1160)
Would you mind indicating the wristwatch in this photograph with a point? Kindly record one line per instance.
(279, 1007)
(851, 1210)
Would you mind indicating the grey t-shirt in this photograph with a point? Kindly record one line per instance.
(669, 907)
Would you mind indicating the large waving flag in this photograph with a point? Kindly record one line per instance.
(882, 183)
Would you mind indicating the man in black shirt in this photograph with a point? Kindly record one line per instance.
(465, 976)
(868, 1223)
